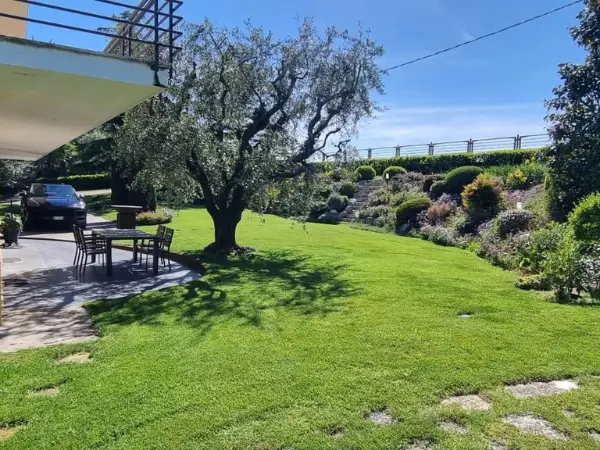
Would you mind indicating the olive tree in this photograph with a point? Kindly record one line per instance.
(574, 118)
(245, 109)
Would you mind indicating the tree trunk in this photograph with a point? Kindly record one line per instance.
(225, 224)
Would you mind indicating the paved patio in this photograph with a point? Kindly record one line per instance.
(43, 293)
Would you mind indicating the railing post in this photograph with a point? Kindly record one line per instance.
(323, 157)
(431, 149)
(156, 36)
(517, 143)
(398, 151)
(171, 12)
(369, 153)
(470, 146)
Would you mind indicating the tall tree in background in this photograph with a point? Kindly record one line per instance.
(574, 117)
(246, 108)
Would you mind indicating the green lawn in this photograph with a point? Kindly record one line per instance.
(324, 325)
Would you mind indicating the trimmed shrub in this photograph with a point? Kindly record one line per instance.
(512, 222)
(585, 219)
(437, 189)
(408, 211)
(348, 189)
(82, 182)
(158, 217)
(430, 180)
(456, 180)
(364, 173)
(483, 197)
(337, 202)
(393, 171)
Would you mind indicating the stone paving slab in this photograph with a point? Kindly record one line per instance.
(43, 292)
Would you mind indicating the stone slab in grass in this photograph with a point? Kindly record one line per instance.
(595, 435)
(76, 358)
(45, 392)
(542, 388)
(6, 432)
(451, 426)
(468, 402)
(335, 431)
(495, 445)
(534, 425)
(382, 417)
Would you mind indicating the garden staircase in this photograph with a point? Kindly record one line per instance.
(360, 198)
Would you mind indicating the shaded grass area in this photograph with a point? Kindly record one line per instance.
(324, 325)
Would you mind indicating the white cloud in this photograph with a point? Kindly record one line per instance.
(408, 126)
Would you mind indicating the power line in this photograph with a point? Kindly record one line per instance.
(485, 36)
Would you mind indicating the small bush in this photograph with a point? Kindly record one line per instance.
(408, 211)
(512, 222)
(483, 197)
(364, 173)
(348, 189)
(517, 180)
(438, 213)
(380, 197)
(375, 212)
(158, 217)
(501, 252)
(540, 245)
(410, 181)
(585, 219)
(437, 189)
(337, 202)
(533, 283)
(456, 180)
(393, 171)
(429, 180)
(442, 236)
(564, 270)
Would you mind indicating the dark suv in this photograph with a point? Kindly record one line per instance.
(52, 202)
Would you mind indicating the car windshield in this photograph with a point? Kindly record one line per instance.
(52, 190)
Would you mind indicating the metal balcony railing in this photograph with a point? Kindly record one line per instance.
(145, 32)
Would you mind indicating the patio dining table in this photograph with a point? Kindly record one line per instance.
(113, 234)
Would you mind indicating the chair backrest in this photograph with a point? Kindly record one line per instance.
(76, 235)
(168, 238)
(160, 231)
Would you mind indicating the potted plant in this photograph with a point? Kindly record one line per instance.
(11, 227)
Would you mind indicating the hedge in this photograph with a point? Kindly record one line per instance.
(82, 182)
(445, 163)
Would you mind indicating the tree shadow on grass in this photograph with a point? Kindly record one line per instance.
(238, 289)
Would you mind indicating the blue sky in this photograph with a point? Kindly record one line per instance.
(492, 88)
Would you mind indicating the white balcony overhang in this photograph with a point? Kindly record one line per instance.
(50, 94)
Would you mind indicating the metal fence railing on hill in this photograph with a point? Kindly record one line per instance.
(470, 146)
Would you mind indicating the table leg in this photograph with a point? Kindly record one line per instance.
(94, 242)
(155, 257)
(109, 268)
(135, 249)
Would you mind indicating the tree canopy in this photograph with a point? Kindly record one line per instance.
(246, 108)
(574, 117)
